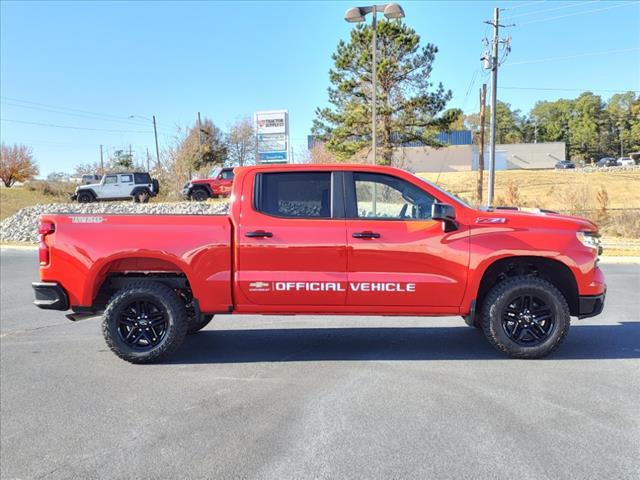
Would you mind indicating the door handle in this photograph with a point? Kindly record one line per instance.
(365, 235)
(258, 234)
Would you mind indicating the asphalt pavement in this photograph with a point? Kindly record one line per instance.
(318, 397)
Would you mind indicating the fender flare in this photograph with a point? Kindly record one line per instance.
(137, 190)
(204, 186)
(85, 190)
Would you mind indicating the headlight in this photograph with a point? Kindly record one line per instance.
(590, 239)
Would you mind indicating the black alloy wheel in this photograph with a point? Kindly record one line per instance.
(527, 320)
(142, 324)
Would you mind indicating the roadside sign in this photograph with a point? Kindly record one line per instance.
(272, 136)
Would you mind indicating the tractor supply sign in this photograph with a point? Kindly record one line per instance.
(272, 131)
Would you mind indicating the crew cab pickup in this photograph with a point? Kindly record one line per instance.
(217, 185)
(323, 239)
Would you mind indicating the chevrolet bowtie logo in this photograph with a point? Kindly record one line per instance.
(258, 284)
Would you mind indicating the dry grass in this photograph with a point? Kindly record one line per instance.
(14, 198)
(549, 188)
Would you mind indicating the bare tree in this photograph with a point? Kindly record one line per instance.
(319, 154)
(241, 143)
(16, 164)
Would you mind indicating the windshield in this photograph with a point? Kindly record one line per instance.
(450, 196)
(215, 172)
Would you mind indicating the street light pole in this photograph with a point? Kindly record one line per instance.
(356, 15)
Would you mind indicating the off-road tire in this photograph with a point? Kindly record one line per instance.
(141, 197)
(196, 325)
(173, 309)
(85, 197)
(497, 300)
(199, 195)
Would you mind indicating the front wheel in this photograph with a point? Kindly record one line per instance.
(144, 322)
(199, 195)
(85, 197)
(525, 317)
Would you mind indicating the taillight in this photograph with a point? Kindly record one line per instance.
(44, 229)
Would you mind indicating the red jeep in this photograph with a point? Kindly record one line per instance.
(217, 185)
(323, 239)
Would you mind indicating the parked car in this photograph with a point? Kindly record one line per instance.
(217, 185)
(323, 239)
(607, 162)
(626, 162)
(89, 179)
(565, 164)
(138, 186)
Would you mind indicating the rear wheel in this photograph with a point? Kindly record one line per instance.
(141, 197)
(85, 197)
(199, 195)
(525, 317)
(144, 322)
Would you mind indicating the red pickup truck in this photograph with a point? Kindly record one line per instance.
(323, 239)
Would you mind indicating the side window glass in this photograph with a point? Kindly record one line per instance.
(227, 175)
(388, 197)
(295, 194)
(126, 178)
(110, 180)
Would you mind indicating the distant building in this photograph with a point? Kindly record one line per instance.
(461, 154)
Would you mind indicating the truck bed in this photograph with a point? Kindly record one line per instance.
(86, 249)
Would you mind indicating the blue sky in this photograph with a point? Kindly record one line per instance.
(104, 61)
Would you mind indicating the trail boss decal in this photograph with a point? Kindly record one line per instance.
(87, 219)
(395, 287)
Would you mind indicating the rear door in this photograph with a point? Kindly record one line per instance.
(125, 185)
(291, 247)
(398, 257)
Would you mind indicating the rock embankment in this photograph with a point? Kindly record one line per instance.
(22, 226)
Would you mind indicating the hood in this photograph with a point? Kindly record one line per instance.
(535, 218)
(88, 185)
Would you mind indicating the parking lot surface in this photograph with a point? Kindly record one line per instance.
(318, 397)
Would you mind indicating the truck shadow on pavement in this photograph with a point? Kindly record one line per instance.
(621, 341)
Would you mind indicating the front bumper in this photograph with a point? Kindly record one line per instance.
(591, 305)
(50, 296)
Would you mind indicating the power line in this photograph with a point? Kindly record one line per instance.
(73, 127)
(536, 12)
(571, 89)
(522, 5)
(580, 55)
(578, 13)
(66, 110)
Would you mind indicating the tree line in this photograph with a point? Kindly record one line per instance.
(410, 108)
(590, 127)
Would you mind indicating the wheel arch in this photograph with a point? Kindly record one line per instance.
(202, 186)
(87, 190)
(556, 272)
(119, 270)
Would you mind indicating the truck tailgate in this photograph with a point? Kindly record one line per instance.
(85, 249)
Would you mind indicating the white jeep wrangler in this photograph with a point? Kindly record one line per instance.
(119, 186)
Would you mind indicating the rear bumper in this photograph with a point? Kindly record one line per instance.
(591, 305)
(50, 296)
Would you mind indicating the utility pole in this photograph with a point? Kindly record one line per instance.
(494, 64)
(494, 87)
(199, 122)
(483, 106)
(101, 161)
(148, 166)
(155, 132)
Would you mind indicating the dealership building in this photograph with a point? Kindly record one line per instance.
(461, 154)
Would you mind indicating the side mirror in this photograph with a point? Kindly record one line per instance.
(446, 214)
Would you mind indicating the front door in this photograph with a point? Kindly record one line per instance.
(109, 188)
(291, 243)
(398, 257)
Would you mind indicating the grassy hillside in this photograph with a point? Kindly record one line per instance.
(556, 190)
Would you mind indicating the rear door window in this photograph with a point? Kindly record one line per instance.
(294, 194)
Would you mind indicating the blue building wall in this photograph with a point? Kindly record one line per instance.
(455, 137)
